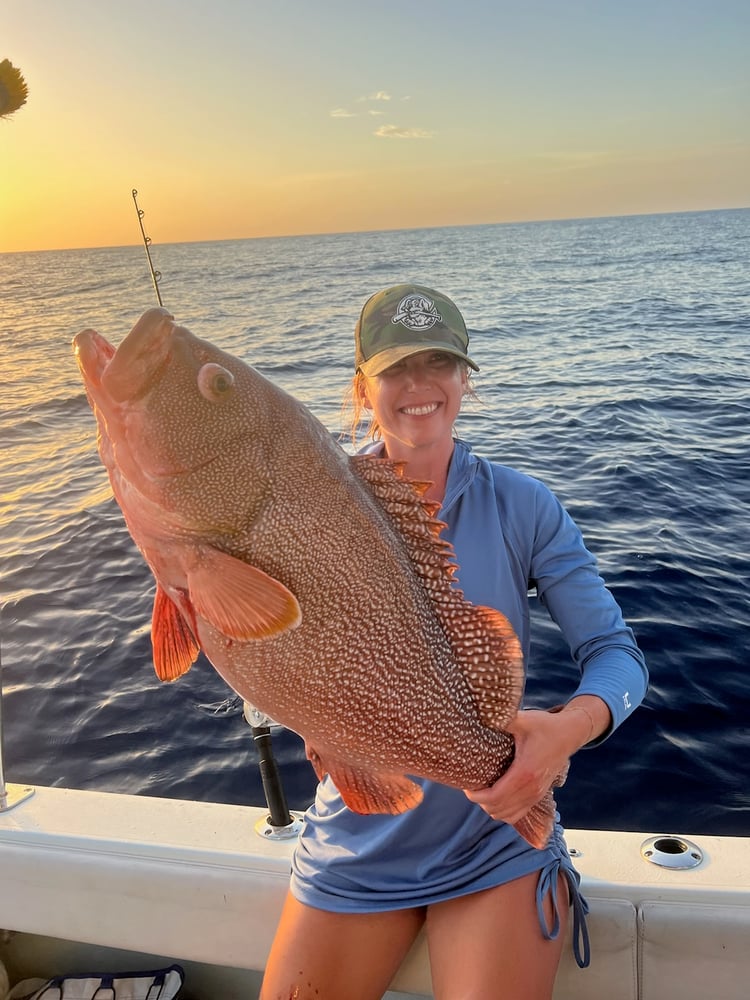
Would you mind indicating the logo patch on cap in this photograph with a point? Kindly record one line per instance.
(417, 312)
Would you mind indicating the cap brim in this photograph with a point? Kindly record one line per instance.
(384, 359)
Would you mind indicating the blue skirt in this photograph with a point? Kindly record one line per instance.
(446, 847)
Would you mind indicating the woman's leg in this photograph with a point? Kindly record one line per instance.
(318, 955)
(489, 944)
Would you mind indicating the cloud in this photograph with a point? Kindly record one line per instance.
(389, 131)
(395, 132)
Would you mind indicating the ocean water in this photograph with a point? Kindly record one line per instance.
(614, 365)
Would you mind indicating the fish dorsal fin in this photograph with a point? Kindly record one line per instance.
(174, 646)
(238, 599)
(482, 639)
(401, 498)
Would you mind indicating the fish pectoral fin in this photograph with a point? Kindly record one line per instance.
(174, 646)
(366, 791)
(238, 599)
(537, 825)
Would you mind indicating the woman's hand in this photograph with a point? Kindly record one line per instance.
(545, 741)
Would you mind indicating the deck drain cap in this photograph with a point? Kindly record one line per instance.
(671, 851)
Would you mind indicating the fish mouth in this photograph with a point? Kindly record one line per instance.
(119, 380)
(127, 372)
(93, 354)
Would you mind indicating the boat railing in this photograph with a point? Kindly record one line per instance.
(10, 795)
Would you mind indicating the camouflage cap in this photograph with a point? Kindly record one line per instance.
(404, 320)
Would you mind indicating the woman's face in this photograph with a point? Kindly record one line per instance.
(416, 401)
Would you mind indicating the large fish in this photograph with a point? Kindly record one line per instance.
(315, 582)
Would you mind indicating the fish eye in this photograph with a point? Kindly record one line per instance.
(215, 382)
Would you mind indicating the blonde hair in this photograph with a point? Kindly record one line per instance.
(354, 413)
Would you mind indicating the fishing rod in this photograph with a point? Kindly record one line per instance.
(280, 823)
(155, 275)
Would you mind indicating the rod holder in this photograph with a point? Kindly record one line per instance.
(280, 823)
(671, 851)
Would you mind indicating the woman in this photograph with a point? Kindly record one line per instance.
(494, 908)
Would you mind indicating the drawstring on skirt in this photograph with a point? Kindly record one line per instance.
(547, 886)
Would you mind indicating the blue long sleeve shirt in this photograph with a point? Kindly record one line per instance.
(508, 531)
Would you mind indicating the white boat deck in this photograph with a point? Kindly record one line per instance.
(134, 882)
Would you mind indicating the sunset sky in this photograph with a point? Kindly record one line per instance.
(236, 118)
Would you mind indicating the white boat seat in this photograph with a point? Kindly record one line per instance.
(613, 972)
(691, 951)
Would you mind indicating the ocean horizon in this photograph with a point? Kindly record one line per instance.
(374, 232)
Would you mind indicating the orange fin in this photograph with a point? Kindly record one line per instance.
(401, 498)
(174, 646)
(537, 825)
(482, 639)
(242, 602)
(365, 791)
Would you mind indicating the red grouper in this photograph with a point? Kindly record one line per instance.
(315, 582)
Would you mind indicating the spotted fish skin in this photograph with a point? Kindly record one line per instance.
(316, 583)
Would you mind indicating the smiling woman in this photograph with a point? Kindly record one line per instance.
(473, 865)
